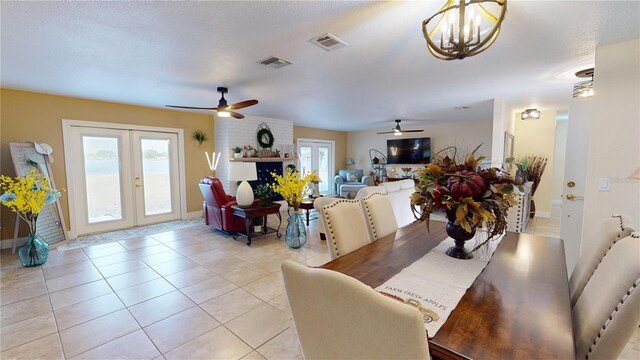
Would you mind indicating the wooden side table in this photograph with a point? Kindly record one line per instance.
(250, 213)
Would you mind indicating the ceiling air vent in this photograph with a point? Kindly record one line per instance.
(328, 42)
(275, 62)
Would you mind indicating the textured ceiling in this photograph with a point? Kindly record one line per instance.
(157, 53)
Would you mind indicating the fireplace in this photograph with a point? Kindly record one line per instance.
(264, 170)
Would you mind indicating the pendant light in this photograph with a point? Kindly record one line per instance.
(463, 28)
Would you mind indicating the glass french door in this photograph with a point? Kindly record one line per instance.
(318, 155)
(123, 178)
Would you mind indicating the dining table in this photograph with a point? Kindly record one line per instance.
(517, 308)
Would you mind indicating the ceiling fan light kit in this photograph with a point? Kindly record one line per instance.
(223, 110)
(463, 28)
(397, 131)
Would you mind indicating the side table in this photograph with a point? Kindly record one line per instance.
(249, 213)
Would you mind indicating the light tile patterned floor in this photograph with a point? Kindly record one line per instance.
(184, 294)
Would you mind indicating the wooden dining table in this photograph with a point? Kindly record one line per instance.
(518, 307)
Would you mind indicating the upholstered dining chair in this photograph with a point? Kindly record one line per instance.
(338, 317)
(318, 204)
(607, 312)
(344, 226)
(379, 216)
(613, 229)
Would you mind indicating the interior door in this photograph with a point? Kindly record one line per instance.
(101, 185)
(575, 173)
(155, 171)
(318, 155)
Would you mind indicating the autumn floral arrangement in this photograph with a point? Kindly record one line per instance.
(292, 186)
(471, 197)
(27, 196)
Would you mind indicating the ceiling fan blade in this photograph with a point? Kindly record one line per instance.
(235, 114)
(386, 132)
(191, 107)
(242, 104)
(412, 130)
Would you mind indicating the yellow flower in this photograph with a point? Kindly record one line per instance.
(314, 177)
(291, 186)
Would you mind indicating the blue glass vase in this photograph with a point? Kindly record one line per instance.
(296, 234)
(35, 252)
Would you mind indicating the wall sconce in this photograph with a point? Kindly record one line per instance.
(530, 114)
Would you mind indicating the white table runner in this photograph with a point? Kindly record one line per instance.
(436, 282)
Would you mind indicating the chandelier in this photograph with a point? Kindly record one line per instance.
(464, 28)
(584, 89)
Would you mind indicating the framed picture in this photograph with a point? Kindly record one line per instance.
(508, 151)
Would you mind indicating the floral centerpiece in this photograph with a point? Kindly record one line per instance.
(314, 180)
(27, 196)
(406, 171)
(292, 186)
(471, 198)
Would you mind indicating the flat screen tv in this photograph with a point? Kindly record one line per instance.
(409, 151)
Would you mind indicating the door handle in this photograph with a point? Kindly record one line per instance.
(572, 197)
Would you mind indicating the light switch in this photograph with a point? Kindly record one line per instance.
(604, 184)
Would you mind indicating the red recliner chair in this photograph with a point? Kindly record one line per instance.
(217, 208)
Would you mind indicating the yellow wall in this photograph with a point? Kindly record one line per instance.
(28, 116)
(537, 137)
(340, 138)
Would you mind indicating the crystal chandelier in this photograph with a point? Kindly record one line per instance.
(464, 28)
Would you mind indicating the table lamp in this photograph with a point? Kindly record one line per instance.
(243, 171)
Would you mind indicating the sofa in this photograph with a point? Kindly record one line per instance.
(217, 207)
(351, 181)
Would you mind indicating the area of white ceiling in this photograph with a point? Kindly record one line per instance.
(157, 53)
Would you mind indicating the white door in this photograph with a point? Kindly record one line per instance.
(121, 178)
(155, 171)
(318, 155)
(575, 173)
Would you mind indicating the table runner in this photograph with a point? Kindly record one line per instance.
(436, 282)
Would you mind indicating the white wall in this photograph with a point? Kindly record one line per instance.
(557, 179)
(503, 121)
(614, 150)
(465, 135)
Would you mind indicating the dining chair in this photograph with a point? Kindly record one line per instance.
(318, 204)
(379, 215)
(338, 317)
(607, 312)
(345, 227)
(613, 229)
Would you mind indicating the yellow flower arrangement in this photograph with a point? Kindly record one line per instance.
(291, 186)
(314, 177)
(27, 195)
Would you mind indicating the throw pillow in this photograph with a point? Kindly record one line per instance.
(352, 177)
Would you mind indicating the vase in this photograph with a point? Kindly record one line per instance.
(35, 252)
(521, 177)
(315, 190)
(459, 235)
(296, 234)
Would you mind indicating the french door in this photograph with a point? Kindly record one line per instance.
(318, 155)
(122, 178)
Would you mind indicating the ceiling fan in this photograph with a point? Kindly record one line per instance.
(397, 131)
(223, 110)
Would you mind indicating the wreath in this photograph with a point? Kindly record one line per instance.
(265, 138)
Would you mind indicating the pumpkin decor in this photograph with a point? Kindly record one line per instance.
(471, 197)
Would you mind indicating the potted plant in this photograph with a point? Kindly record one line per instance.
(249, 151)
(471, 198)
(314, 182)
(292, 186)
(237, 152)
(264, 193)
(27, 196)
(531, 168)
(199, 136)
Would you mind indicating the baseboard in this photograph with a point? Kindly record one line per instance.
(7, 243)
(543, 214)
(193, 215)
(556, 202)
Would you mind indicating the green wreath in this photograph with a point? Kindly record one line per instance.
(265, 138)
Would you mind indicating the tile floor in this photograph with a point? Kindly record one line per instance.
(184, 294)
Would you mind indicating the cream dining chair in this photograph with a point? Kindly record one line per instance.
(379, 216)
(607, 312)
(338, 317)
(318, 204)
(613, 229)
(344, 226)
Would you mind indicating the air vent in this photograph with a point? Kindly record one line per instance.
(328, 42)
(275, 62)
